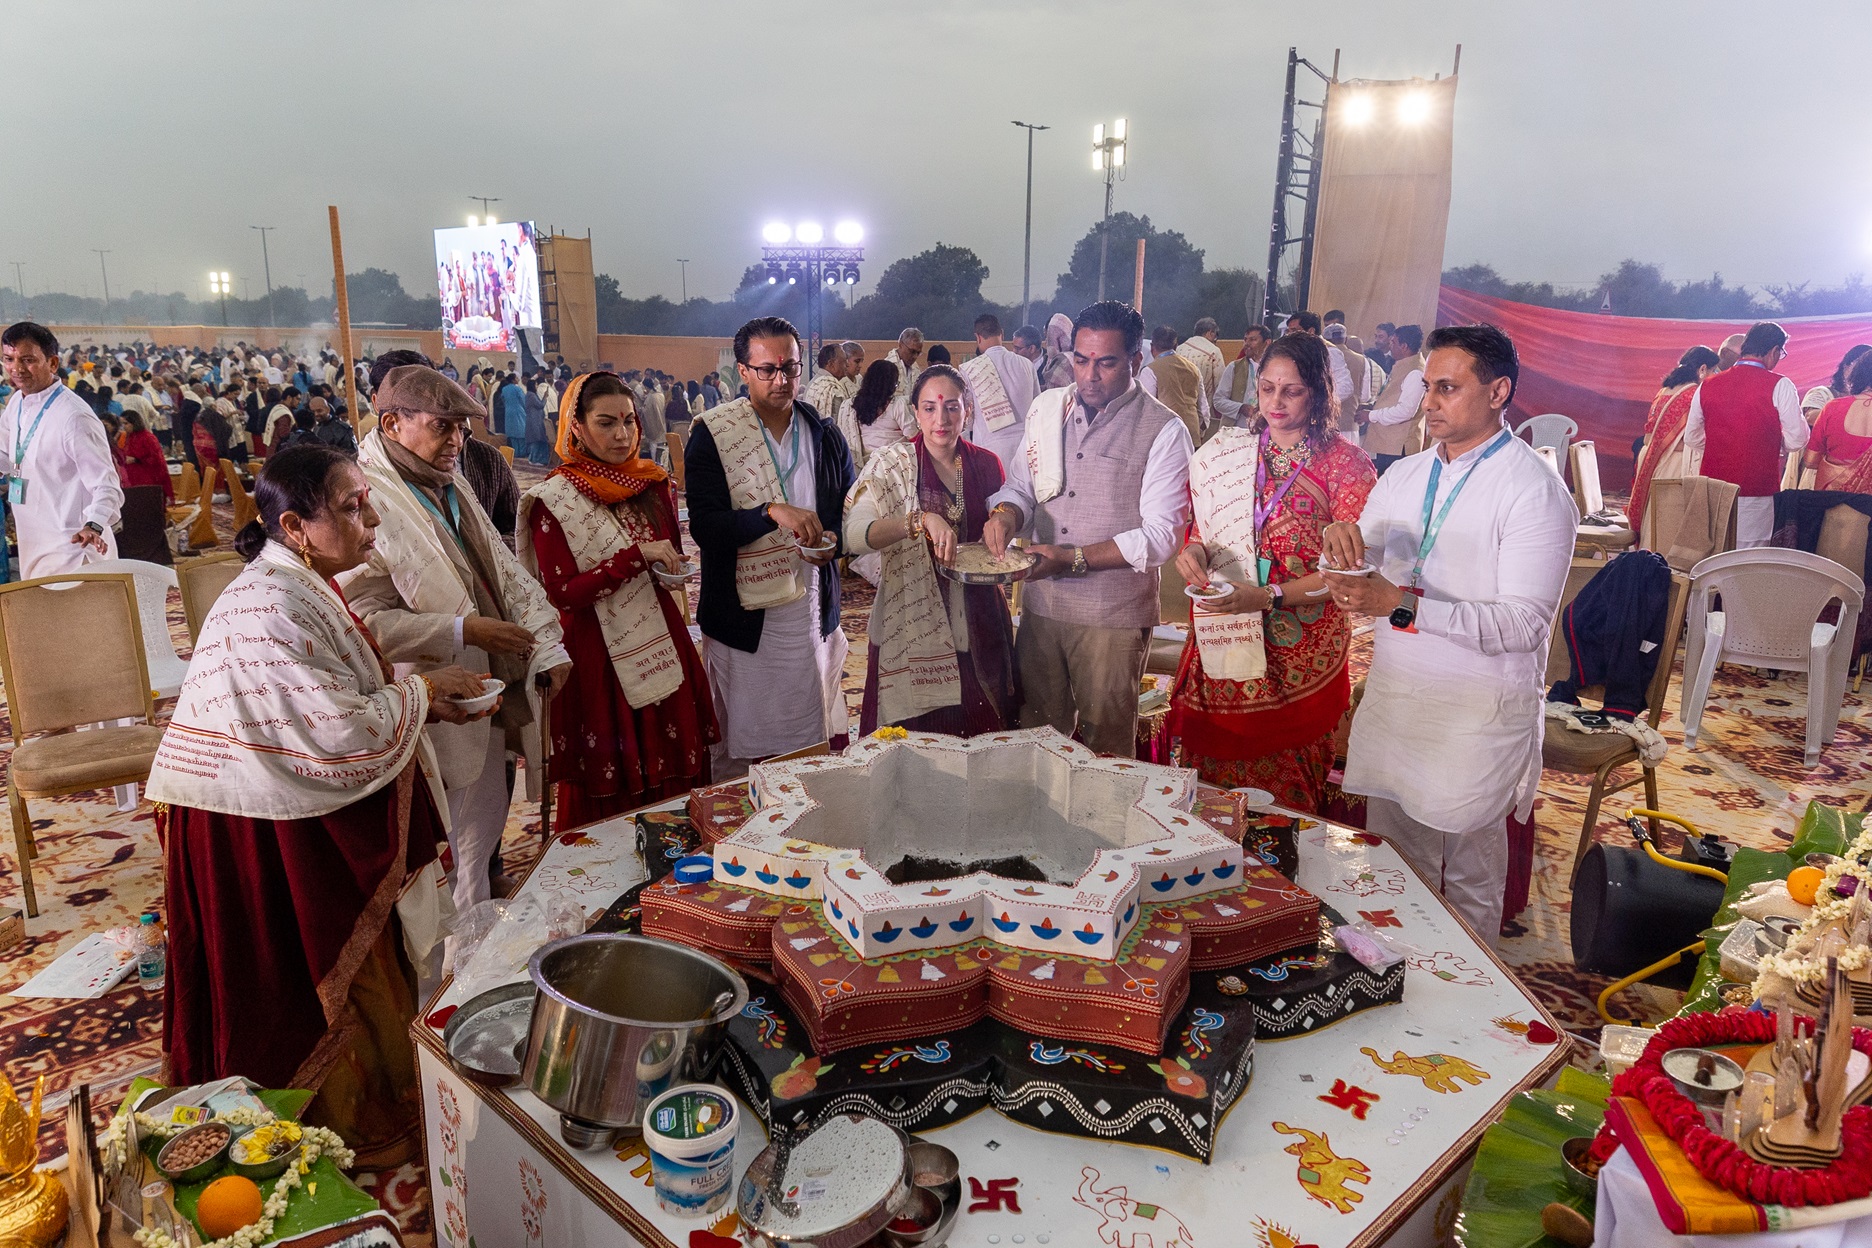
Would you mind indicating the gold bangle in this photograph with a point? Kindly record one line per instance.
(428, 685)
(913, 523)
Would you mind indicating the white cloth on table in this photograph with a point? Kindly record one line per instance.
(70, 479)
(1451, 721)
(1626, 1216)
(784, 696)
(1469, 868)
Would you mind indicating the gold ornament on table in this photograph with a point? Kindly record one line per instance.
(33, 1206)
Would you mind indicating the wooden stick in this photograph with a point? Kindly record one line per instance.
(543, 683)
(346, 386)
(1137, 282)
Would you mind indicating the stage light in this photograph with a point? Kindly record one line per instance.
(1359, 108)
(1098, 160)
(1098, 134)
(794, 273)
(851, 275)
(1118, 130)
(849, 233)
(473, 220)
(772, 280)
(776, 232)
(1414, 108)
(488, 220)
(1118, 155)
(809, 232)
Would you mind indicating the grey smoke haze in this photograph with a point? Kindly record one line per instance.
(1703, 136)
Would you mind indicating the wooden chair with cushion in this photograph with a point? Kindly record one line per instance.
(43, 631)
(201, 582)
(675, 443)
(1688, 519)
(1599, 754)
(187, 482)
(507, 453)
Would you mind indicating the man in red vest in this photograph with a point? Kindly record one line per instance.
(1744, 421)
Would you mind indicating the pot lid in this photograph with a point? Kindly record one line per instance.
(841, 1184)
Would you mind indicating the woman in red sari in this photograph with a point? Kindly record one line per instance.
(1269, 492)
(143, 459)
(1840, 452)
(635, 722)
(1664, 454)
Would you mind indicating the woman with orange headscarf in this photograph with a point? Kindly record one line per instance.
(635, 722)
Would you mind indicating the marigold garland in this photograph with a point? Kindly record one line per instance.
(1848, 1178)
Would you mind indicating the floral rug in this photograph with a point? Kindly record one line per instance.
(99, 868)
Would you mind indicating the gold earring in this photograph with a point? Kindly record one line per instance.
(305, 553)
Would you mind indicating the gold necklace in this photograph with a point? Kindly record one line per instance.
(958, 504)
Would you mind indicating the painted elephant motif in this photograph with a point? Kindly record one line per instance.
(1440, 1072)
(1324, 1173)
(1128, 1223)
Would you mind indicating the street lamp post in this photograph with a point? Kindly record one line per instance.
(218, 284)
(685, 278)
(101, 253)
(1108, 156)
(266, 261)
(795, 255)
(485, 201)
(1027, 252)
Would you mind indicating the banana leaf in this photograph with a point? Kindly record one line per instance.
(1749, 866)
(1824, 830)
(1518, 1171)
(338, 1197)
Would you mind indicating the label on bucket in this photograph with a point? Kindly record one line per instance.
(690, 1115)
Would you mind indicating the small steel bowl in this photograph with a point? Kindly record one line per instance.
(1822, 861)
(1777, 929)
(1681, 1064)
(1573, 1153)
(265, 1169)
(934, 1167)
(925, 1208)
(201, 1169)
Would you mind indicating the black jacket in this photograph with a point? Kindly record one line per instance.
(720, 530)
(1613, 631)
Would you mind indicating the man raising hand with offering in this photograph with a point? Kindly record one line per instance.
(1471, 541)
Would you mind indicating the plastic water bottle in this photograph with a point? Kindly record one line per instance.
(152, 954)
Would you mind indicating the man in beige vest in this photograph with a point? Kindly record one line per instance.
(1235, 388)
(1201, 350)
(1396, 426)
(1176, 383)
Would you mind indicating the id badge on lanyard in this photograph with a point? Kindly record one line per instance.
(16, 484)
(16, 491)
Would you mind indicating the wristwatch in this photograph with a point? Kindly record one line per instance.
(95, 527)
(1079, 563)
(1276, 594)
(1406, 613)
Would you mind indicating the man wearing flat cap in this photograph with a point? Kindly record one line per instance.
(443, 588)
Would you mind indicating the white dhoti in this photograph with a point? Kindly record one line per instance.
(477, 817)
(783, 697)
(1754, 521)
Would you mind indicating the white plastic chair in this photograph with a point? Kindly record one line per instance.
(1771, 600)
(1551, 458)
(1551, 429)
(153, 583)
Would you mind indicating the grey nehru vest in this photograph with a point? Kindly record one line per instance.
(1105, 461)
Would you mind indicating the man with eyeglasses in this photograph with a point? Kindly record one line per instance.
(766, 482)
(904, 355)
(1101, 483)
(443, 588)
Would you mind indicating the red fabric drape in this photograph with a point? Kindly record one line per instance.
(1603, 371)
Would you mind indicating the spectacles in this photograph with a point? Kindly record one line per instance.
(767, 372)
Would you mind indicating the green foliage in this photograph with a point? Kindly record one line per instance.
(1518, 1170)
(938, 291)
(1173, 273)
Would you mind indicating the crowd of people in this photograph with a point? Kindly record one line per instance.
(1289, 487)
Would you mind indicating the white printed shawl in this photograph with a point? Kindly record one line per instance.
(285, 713)
(917, 667)
(766, 570)
(642, 652)
(1223, 496)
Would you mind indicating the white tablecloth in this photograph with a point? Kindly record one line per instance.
(1627, 1217)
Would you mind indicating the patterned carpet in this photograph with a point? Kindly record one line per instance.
(99, 869)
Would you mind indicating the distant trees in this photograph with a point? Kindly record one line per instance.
(1639, 289)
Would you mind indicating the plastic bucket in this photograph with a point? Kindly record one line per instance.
(690, 1132)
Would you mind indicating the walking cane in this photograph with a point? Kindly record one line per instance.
(543, 683)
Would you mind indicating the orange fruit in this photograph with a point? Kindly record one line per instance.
(227, 1204)
(1803, 883)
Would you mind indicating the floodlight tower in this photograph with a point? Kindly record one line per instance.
(796, 254)
(1108, 156)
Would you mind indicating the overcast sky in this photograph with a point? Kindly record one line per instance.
(1712, 136)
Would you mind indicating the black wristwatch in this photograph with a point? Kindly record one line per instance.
(1405, 615)
(95, 527)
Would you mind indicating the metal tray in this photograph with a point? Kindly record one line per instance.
(1025, 560)
(487, 1036)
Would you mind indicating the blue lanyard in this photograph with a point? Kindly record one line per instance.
(1432, 528)
(454, 510)
(20, 448)
(773, 453)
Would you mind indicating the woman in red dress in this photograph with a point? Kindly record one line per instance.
(143, 459)
(1272, 731)
(635, 722)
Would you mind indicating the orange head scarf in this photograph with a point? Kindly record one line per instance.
(603, 483)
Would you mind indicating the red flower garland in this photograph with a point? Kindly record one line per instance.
(1716, 1158)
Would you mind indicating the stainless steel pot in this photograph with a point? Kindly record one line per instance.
(618, 1020)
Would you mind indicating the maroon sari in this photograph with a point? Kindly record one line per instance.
(990, 683)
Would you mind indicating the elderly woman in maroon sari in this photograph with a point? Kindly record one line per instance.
(942, 653)
(298, 807)
(1262, 497)
(1664, 454)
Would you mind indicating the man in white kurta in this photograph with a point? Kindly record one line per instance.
(904, 355)
(1446, 742)
(62, 484)
(1002, 386)
(1235, 388)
